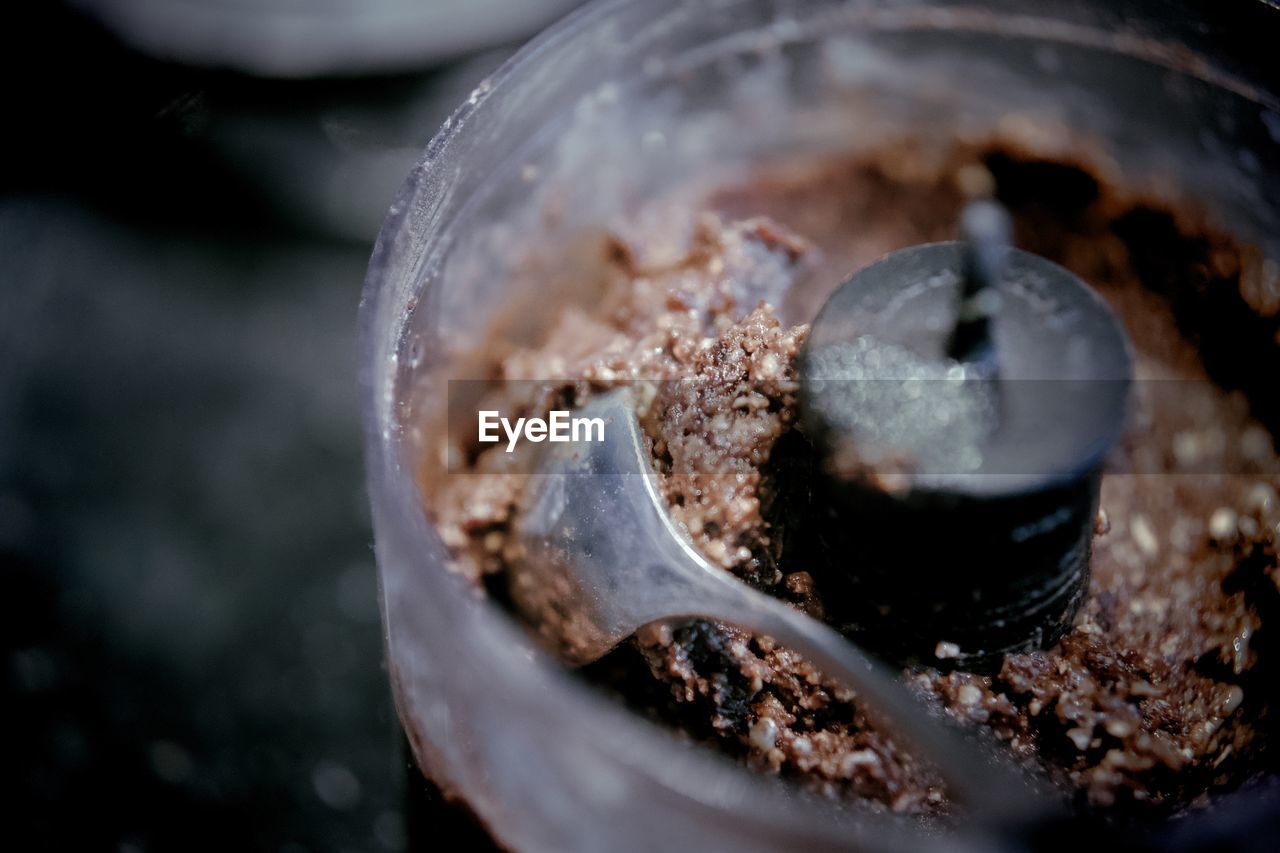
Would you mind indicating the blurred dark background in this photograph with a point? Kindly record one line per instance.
(191, 644)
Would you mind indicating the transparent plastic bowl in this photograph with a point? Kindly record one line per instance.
(624, 101)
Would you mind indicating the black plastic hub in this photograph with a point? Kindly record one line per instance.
(962, 397)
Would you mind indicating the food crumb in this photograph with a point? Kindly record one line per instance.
(946, 651)
(1223, 524)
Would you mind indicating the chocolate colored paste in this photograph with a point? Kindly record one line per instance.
(1162, 692)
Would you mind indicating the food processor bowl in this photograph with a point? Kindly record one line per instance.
(624, 102)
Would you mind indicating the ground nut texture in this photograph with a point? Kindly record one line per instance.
(1160, 696)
